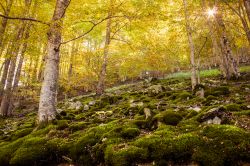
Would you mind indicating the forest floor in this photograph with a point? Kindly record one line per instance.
(157, 122)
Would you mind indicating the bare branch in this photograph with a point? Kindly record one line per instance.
(93, 26)
(3, 7)
(24, 19)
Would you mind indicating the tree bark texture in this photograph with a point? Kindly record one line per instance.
(47, 104)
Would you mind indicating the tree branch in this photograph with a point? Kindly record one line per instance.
(3, 7)
(93, 26)
(24, 19)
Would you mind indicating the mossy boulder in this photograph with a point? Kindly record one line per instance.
(225, 145)
(169, 117)
(130, 133)
(7, 151)
(32, 151)
(124, 155)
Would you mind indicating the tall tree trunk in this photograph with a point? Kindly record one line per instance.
(5, 103)
(101, 82)
(8, 90)
(47, 105)
(192, 47)
(229, 64)
(21, 58)
(4, 75)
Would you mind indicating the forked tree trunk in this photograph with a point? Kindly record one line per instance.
(47, 104)
(192, 47)
(101, 82)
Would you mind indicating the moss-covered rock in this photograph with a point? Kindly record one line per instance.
(130, 133)
(124, 155)
(225, 145)
(169, 117)
(7, 151)
(30, 152)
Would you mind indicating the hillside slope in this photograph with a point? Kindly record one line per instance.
(156, 122)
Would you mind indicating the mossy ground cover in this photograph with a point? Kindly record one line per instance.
(115, 130)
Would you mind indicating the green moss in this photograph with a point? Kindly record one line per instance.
(184, 146)
(169, 117)
(233, 108)
(124, 155)
(62, 124)
(58, 147)
(210, 98)
(21, 133)
(77, 126)
(218, 91)
(184, 96)
(30, 152)
(130, 133)
(241, 113)
(191, 114)
(188, 125)
(8, 150)
(226, 145)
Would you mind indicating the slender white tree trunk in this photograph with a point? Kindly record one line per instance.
(101, 82)
(47, 104)
(192, 47)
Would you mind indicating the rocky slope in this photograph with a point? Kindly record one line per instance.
(156, 122)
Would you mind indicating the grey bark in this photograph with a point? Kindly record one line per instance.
(192, 47)
(20, 63)
(101, 82)
(229, 64)
(47, 104)
(4, 109)
(5, 103)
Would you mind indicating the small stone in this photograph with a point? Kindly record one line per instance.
(78, 105)
(216, 120)
(59, 111)
(104, 139)
(86, 107)
(147, 113)
(91, 103)
(140, 104)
